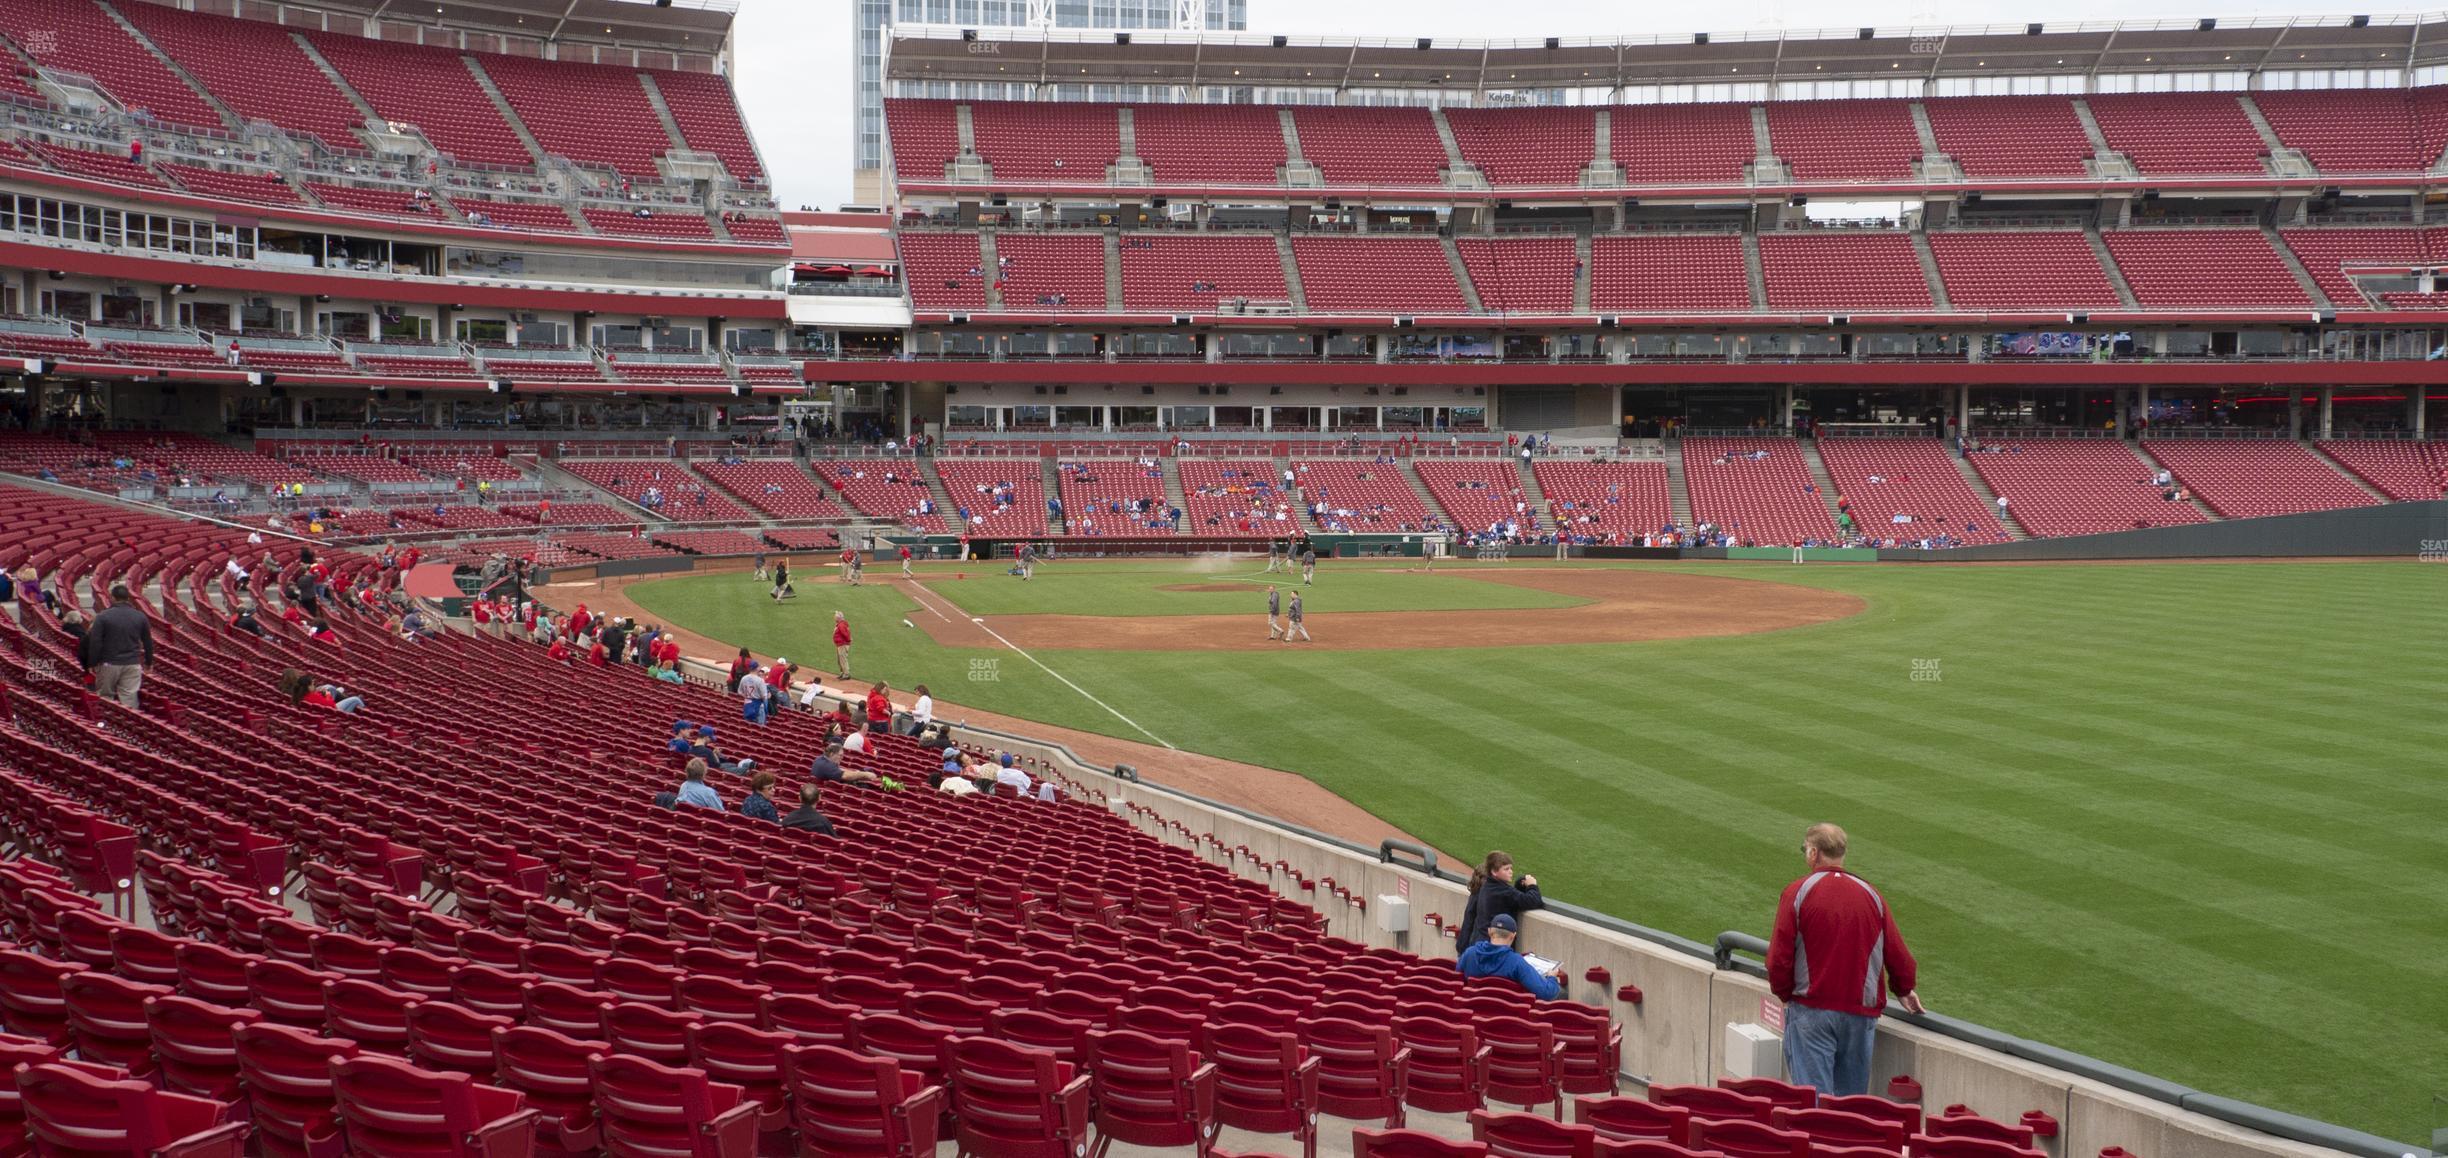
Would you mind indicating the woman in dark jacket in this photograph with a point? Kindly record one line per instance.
(1493, 891)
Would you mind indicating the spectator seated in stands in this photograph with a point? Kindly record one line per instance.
(704, 749)
(805, 817)
(1496, 957)
(756, 805)
(829, 767)
(694, 791)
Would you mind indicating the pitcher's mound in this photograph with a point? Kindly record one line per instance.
(1624, 607)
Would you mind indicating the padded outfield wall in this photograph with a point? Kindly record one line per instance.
(2393, 531)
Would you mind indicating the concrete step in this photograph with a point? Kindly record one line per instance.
(1819, 474)
(501, 104)
(1980, 487)
(2155, 466)
(2090, 127)
(1291, 273)
(2260, 124)
(662, 108)
(1678, 489)
(365, 108)
(2108, 265)
(1929, 268)
(1300, 502)
(1427, 498)
(1581, 273)
(1751, 269)
(1052, 480)
(1113, 271)
(1470, 293)
(2346, 472)
(990, 267)
(2303, 277)
(229, 116)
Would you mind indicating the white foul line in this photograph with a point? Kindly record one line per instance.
(1066, 682)
(981, 624)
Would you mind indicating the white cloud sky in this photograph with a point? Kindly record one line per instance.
(793, 56)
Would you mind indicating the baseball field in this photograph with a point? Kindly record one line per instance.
(2188, 818)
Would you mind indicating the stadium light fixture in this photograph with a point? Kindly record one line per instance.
(2208, 24)
(2033, 29)
(2359, 22)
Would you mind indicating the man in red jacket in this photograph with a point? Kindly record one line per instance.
(1835, 939)
(841, 644)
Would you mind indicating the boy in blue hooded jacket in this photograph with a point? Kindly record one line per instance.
(1496, 957)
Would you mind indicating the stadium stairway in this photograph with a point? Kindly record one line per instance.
(1299, 499)
(990, 264)
(1810, 447)
(2107, 260)
(937, 491)
(1980, 489)
(1470, 293)
(228, 117)
(1929, 272)
(1173, 485)
(357, 99)
(1291, 272)
(501, 104)
(2294, 264)
(1427, 499)
(2348, 473)
(1581, 270)
(1678, 489)
(1051, 477)
(2154, 466)
(1759, 289)
(1531, 493)
(1113, 273)
(662, 110)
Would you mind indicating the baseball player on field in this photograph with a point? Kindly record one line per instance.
(1274, 608)
(1292, 621)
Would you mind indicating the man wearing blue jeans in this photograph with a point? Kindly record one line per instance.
(1835, 955)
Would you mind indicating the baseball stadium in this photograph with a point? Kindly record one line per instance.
(1930, 541)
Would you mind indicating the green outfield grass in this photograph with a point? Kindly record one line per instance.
(2185, 818)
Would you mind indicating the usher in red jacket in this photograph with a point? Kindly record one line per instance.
(1834, 937)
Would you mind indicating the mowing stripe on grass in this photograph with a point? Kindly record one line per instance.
(1066, 682)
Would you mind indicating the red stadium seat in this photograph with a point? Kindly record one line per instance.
(1150, 1092)
(106, 1019)
(1838, 1128)
(1629, 1119)
(1743, 1139)
(390, 1107)
(1367, 1143)
(646, 1108)
(850, 1105)
(286, 1073)
(1009, 1101)
(196, 1045)
(1531, 1136)
(70, 1108)
(551, 1070)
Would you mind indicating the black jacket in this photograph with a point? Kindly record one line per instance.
(121, 634)
(1494, 897)
(809, 819)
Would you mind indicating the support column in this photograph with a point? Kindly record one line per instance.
(2116, 410)
(2328, 398)
(1963, 412)
(1266, 418)
(2142, 409)
(1107, 413)
(2295, 412)
(2414, 410)
(1381, 418)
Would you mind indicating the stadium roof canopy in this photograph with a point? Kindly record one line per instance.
(1051, 56)
(697, 26)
